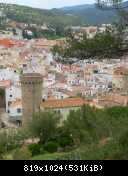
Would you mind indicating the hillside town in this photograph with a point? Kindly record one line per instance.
(64, 83)
(65, 87)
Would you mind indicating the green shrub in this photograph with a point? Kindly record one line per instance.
(42, 151)
(65, 141)
(34, 149)
(51, 146)
(124, 142)
(22, 154)
(7, 141)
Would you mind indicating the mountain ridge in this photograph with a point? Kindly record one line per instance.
(87, 14)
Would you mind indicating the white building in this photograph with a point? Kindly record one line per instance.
(15, 110)
(12, 94)
(12, 91)
(7, 74)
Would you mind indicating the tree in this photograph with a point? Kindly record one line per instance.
(44, 125)
(51, 146)
(102, 45)
(35, 149)
(79, 126)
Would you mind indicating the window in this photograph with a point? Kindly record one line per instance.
(8, 111)
(10, 95)
(18, 110)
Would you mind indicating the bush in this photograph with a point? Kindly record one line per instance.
(51, 146)
(65, 141)
(22, 154)
(123, 141)
(7, 141)
(34, 149)
(42, 151)
(63, 137)
(12, 139)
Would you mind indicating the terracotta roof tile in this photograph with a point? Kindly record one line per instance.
(10, 43)
(64, 103)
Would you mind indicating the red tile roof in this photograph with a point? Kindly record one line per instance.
(10, 43)
(64, 103)
(6, 42)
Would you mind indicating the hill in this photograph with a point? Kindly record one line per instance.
(39, 16)
(87, 14)
(91, 14)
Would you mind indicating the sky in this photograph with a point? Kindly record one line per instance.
(48, 4)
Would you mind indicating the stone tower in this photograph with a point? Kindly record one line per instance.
(31, 85)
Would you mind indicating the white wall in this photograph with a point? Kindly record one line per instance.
(12, 93)
(13, 111)
(6, 74)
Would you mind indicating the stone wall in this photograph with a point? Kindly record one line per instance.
(31, 85)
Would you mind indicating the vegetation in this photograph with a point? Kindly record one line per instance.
(22, 154)
(88, 133)
(92, 15)
(112, 43)
(35, 149)
(44, 125)
(51, 147)
(108, 44)
(2, 92)
(39, 16)
(73, 16)
(50, 33)
(55, 19)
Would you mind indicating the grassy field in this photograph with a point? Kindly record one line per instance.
(48, 156)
